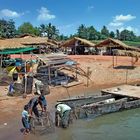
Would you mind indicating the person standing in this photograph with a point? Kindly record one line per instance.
(25, 120)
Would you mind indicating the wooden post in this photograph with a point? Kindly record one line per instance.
(88, 76)
(76, 72)
(75, 50)
(1, 62)
(25, 86)
(116, 60)
(113, 60)
(49, 73)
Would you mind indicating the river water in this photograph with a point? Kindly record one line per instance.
(116, 126)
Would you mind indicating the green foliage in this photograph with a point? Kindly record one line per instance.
(7, 29)
(62, 37)
(105, 31)
(92, 33)
(82, 31)
(112, 34)
(49, 30)
(28, 28)
(89, 33)
(127, 35)
(132, 43)
(117, 34)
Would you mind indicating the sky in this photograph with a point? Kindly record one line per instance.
(67, 15)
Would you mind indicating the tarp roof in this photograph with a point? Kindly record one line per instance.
(14, 51)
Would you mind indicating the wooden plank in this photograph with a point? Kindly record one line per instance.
(75, 83)
(124, 90)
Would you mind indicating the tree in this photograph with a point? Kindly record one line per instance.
(127, 35)
(7, 28)
(82, 31)
(92, 34)
(105, 31)
(28, 28)
(117, 34)
(112, 34)
(42, 30)
(62, 37)
(55, 32)
(49, 30)
(36, 31)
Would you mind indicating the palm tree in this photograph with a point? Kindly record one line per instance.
(52, 32)
(42, 29)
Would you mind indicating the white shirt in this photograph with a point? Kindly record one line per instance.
(25, 114)
(62, 108)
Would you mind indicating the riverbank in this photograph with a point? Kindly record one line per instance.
(103, 76)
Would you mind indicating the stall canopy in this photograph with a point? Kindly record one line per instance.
(18, 50)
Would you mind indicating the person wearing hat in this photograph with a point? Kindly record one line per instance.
(63, 111)
(33, 103)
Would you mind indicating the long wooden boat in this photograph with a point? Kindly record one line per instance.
(93, 106)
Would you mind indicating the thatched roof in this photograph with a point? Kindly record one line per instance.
(25, 35)
(115, 43)
(72, 41)
(24, 42)
(10, 43)
(128, 53)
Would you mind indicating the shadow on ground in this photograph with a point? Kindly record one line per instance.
(125, 67)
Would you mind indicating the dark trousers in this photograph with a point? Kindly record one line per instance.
(25, 123)
(35, 110)
(65, 119)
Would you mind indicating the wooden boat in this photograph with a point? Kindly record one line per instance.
(93, 106)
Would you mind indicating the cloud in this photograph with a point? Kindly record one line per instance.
(115, 24)
(44, 14)
(90, 7)
(10, 14)
(122, 18)
(119, 20)
(130, 28)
